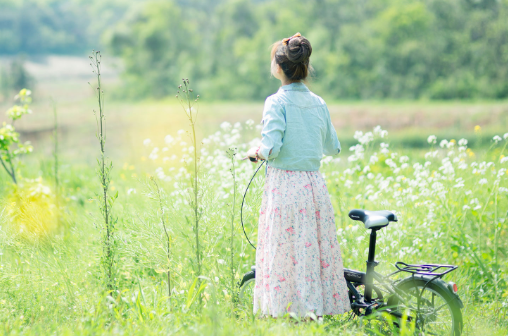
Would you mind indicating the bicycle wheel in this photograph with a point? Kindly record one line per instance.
(246, 295)
(439, 312)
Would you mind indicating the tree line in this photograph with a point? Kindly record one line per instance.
(362, 49)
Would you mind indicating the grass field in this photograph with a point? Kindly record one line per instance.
(452, 210)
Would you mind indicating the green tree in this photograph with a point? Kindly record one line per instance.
(158, 46)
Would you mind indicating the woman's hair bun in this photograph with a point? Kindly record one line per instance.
(298, 49)
(292, 54)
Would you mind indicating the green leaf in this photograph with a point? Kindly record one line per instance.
(190, 294)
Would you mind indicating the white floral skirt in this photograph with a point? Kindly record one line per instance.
(298, 261)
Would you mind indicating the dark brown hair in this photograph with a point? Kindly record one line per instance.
(293, 57)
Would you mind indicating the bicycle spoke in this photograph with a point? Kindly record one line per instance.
(427, 309)
(443, 305)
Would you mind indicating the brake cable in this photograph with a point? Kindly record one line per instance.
(243, 201)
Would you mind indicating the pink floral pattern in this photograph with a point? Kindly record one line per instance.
(297, 244)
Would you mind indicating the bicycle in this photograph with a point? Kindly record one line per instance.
(423, 298)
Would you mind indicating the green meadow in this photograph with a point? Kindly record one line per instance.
(450, 195)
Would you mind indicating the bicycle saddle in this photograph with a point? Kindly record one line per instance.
(373, 219)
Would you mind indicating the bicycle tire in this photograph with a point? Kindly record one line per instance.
(246, 299)
(413, 287)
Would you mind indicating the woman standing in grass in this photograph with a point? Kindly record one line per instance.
(298, 260)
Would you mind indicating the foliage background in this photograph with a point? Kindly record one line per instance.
(413, 49)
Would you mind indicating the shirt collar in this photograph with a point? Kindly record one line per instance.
(296, 86)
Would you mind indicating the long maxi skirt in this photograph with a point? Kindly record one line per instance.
(298, 260)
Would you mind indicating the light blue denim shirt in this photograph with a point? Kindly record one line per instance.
(297, 129)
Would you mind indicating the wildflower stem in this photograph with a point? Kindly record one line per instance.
(104, 176)
(198, 253)
(11, 173)
(233, 153)
(12, 169)
(187, 105)
(55, 150)
(168, 240)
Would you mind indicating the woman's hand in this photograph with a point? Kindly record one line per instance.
(252, 154)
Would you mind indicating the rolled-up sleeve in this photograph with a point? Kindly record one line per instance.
(274, 126)
(331, 145)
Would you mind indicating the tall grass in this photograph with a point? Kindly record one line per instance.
(159, 199)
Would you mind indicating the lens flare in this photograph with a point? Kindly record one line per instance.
(31, 209)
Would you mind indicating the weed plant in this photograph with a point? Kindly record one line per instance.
(159, 199)
(105, 200)
(187, 100)
(9, 138)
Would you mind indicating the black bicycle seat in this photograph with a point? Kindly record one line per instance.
(373, 219)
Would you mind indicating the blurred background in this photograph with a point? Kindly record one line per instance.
(415, 67)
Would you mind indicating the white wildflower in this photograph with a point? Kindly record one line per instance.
(373, 159)
(483, 181)
(463, 142)
(443, 143)
(505, 159)
(505, 136)
(432, 139)
(225, 126)
(384, 148)
(168, 139)
(154, 154)
(460, 183)
(147, 142)
(496, 138)
(466, 207)
(368, 137)
(352, 158)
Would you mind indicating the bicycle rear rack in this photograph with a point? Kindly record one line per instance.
(435, 270)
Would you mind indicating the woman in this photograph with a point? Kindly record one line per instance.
(298, 261)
